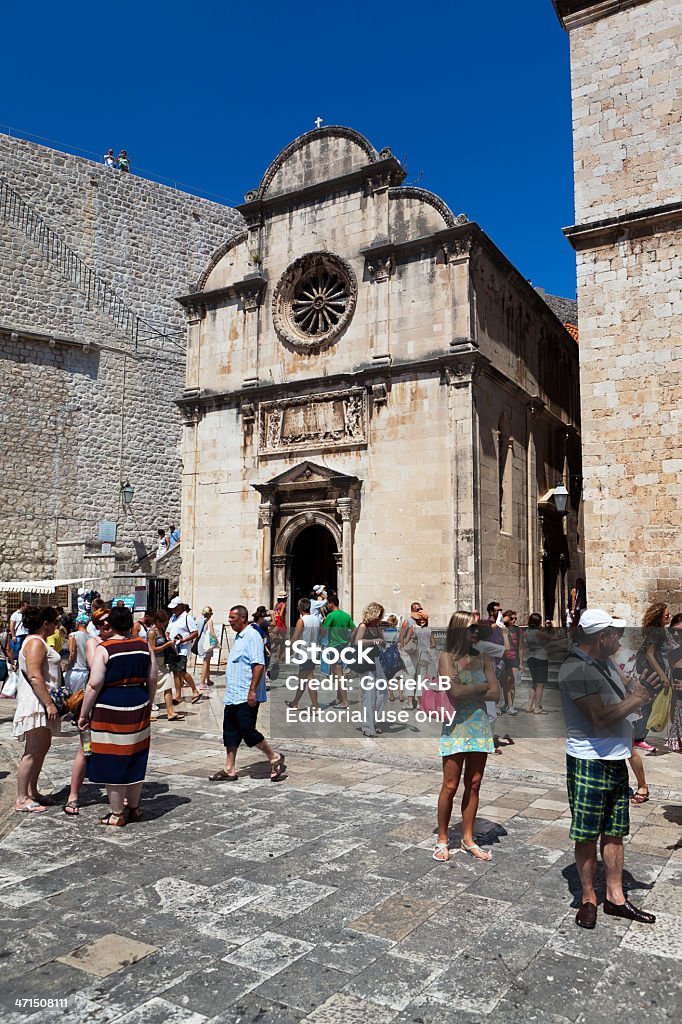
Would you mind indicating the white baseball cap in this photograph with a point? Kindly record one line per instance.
(175, 602)
(593, 620)
(319, 589)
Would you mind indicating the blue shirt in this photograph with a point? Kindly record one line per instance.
(247, 650)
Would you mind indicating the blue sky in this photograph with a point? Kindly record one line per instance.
(476, 98)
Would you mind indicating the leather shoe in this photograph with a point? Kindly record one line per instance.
(629, 911)
(586, 916)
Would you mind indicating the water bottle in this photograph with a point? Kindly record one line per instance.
(86, 741)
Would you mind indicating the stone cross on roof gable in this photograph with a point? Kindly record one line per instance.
(318, 122)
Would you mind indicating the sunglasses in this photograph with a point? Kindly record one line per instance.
(104, 624)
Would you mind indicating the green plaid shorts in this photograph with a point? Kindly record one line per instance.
(599, 797)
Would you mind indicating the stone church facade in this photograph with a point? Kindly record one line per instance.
(626, 78)
(375, 398)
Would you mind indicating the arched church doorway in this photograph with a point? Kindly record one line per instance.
(312, 562)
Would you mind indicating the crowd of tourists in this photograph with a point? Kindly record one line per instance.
(107, 671)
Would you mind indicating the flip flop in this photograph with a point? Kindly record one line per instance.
(276, 768)
(441, 848)
(197, 699)
(72, 809)
(175, 718)
(222, 776)
(29, 807)
(639, 797)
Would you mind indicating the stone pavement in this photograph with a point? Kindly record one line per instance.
(316, 899)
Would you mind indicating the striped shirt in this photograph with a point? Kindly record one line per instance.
(128, 662)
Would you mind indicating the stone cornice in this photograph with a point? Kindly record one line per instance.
(18, 333)
(252, 285)
(465, 353)
(258, 207)
(575, 13)
(630, 225)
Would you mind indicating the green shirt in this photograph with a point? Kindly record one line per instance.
(338, 625)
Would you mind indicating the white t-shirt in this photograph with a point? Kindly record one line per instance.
(182, 625)
(18, 619)
(580, 678)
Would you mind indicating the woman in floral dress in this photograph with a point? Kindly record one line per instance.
(465, 742)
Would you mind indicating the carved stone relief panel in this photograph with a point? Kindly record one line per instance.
(331, 420)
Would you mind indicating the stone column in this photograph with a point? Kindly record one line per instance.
(265, 513)
(344, 507)
(279, 572)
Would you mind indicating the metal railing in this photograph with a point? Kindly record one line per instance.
(98, 292)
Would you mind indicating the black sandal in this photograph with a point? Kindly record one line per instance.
(119, 823)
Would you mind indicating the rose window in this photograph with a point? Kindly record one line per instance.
(314, 301)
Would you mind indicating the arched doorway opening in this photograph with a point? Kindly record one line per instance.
(312, 562)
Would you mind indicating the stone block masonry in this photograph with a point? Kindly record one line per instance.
(83, 408)
(626, 76)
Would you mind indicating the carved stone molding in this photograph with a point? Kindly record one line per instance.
(457, 248)
(195, 311)
(248, 414)
(378, 184)
(380, 268)
(265, 514)
(345, 508)
(462, 374)
(321, 421)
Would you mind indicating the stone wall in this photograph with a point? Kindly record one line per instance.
(631, 370)
(627, 103)
(86, 408)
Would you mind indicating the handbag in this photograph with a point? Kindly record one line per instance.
(10, 686)
(434, 701)
(390, 660)
(75, 702)
(660, 710)
(59, 695)
(195, 642)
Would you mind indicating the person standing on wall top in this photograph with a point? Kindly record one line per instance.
(122, 162)
(109, 158)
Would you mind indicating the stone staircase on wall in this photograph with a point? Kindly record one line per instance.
(168, 567)
(99, 294)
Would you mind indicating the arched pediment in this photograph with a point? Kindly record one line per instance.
(319, 155)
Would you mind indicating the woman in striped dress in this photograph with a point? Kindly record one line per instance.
(117, 707)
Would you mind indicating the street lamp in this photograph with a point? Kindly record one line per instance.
(127, 493)
(560, 497)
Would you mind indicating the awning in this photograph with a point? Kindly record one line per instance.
(43, 586)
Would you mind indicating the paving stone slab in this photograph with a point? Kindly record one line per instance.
(48, 981)
(555, 979)
(664, 938)
(303, 985)
(256, 1009)
(342, 1008)
(396, 917)
(349, 951)
(213, 988)
(269, 953)
(160, 1011)
(393, 981)
(515, 947)
(473, 985)
(107, 955)
(297, 895)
